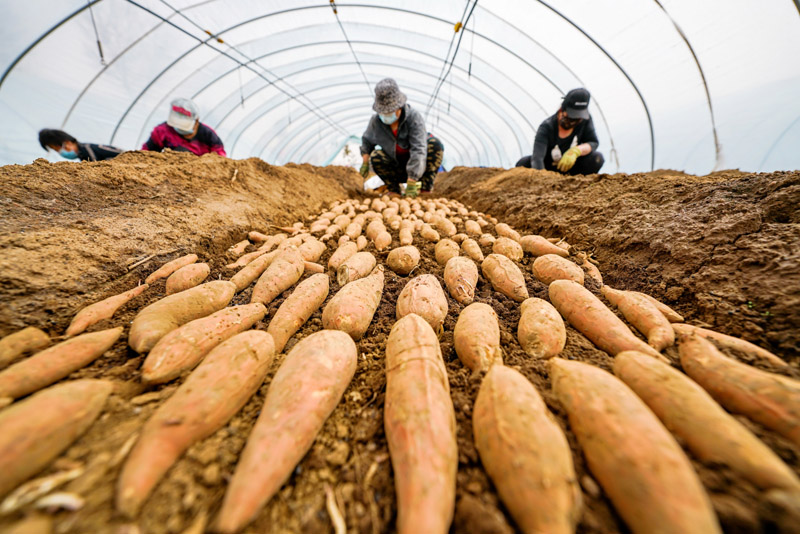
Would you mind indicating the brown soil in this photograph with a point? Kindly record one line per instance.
(91, 220)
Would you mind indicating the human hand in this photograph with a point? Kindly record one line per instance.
(412, 188)
(365, 169)
(568, 159)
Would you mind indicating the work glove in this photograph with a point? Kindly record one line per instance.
(412, 188)
(365, 169)
(568, 159)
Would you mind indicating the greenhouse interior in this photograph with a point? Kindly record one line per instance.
(407, 267)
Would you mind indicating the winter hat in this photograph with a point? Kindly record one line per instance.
(182, 114)
(388, 97)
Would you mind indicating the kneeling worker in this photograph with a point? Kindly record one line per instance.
(69, 147)
(566, 142)
(184, 132)
(407, 154)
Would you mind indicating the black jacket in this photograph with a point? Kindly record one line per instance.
(547, 138)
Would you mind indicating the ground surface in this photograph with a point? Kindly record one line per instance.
(724, 250)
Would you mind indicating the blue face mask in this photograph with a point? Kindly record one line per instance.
(387, 119)
(69, 154)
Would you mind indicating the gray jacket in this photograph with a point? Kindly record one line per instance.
(411, 134)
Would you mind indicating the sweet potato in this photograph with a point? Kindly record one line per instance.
(537, 245)
(312, 250)
(590, 269)
(403, 260)
(508, 248)
(643, 315)
(635, 459)
(187, 277)
(444, 226)
(446, 249)
(36, 430)
(472, 249)
(375, 227)
(707, 430)
(26, 340)
(461, 278)
(671, 315)
(353, 230)
(341, 254)
(361, 242)
(733, 343)
(505, 276)
(313, 268)
(526, 454)
(253, 270)
(307, 297)
(420, 426)
(342, 221)
(94, 313)
(767, 398)
(429, 234)
(170, 267)
(594, 320)
(167, 314)
(356, 266)
(304, 392)
(256, 236)
(550, 267)
(352, 307)
(486, 240)
(205, 401)
(185, 347)
(476, 337)
(55, 363)
(472, 228)
(541, 331)
(505, 230)
(382, 240)
(284, 272)
(423, 296)
(247, 259)
(239, 248)
(406, 236)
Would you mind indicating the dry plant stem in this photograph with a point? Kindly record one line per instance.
(420, 428)
(105, 309)
(306, 299)
(638, 463)
(305, 390)
(167, 314)
(708, 431)
(36, 430)
(26, 340)
(770, 399)
(55, 363)
(205, 401)
(526, 454)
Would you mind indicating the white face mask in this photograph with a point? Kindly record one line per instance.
(387, 119)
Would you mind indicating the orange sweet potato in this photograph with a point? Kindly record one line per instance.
(55, 363)
(505, 230)
(537, 245)
(428, 233)
(486, 240)
(382, 240)
(361, 242)
(594, 320)
(445, 226)
(356, 266)
(461, 278)
(472, 249)
(341, 254)
(305, 390)
(508, 248)
(638, 463)
(312, 250)
(26, 340)
(589, 268)
(205, 401)
(767, 398)
(423, 296)
(472, 228)
(246, 259)
(351, 309)
(239, 248)
(420, 426)
(643, 315)
(170, 267)
(541, 331)
(313, 268)
(187, 277)
(257, 237)
(253, 270)
(185, 346)
(550, 267)
(707, 430)
(284, 272)
(671, 315)
(167, 314)
(94, 313)
(526, 454)
(476, 337)
(733, 343)
(505, 276)
(36, 430)
(446, 249)
(307, 297)
(403, 260)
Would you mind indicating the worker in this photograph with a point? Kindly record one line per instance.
(69, 147)
(566, 142)
(184, 132)
(397, 144)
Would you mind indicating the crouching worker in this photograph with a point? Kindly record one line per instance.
(184, 132)
(69, 147)
(567, 142)
(406, 153)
